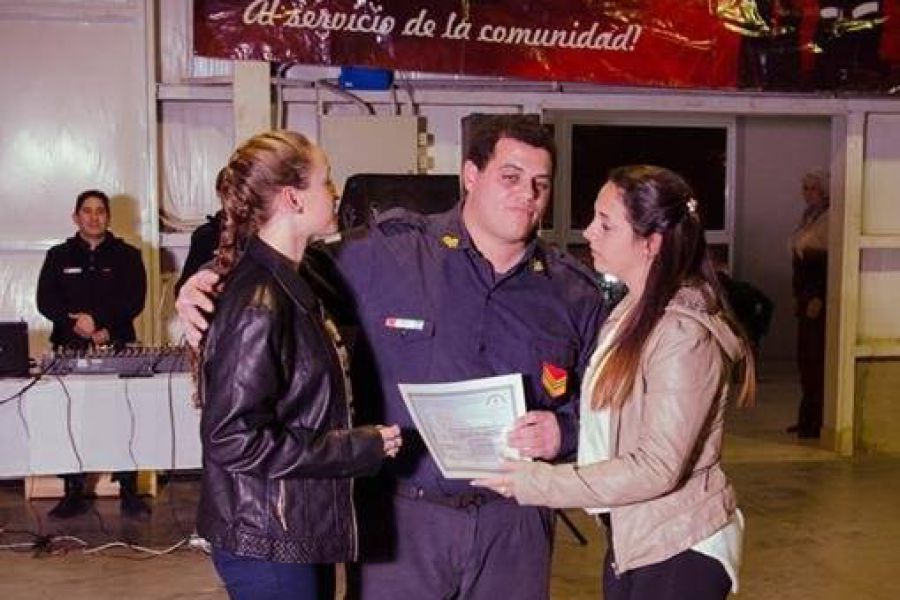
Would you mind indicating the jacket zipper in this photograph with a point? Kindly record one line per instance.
(612, 550)
(340, 349)
(353, 533)
(280, 504)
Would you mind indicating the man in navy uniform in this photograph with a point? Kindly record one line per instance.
(92, 287)
(464, 294)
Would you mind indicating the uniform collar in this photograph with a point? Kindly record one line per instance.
(80, 243)
(285, 273)
(451, 233)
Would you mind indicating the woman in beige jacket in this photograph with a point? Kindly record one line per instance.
(653, 402)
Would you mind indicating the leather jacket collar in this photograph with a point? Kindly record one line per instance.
(284, 272)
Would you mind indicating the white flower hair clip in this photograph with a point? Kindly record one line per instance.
(692, 206)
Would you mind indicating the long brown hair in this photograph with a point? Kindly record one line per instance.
(246, 186)
(658, 200)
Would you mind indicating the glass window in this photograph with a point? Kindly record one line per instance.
(697, 153)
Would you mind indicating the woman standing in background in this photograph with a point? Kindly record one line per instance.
(809, 250)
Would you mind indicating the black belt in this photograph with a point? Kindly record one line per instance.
(465, 500)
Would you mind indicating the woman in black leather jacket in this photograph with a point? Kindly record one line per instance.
(278, 449)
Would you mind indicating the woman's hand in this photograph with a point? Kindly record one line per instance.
(390, 436)
(502, 484)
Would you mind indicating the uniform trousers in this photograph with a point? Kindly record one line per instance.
(483, 551)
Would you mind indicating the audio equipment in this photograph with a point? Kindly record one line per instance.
(14, 349)
(128, 361)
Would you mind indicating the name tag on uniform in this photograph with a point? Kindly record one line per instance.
(72, 270)
(401, 323)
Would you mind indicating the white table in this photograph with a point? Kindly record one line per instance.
(104, 424)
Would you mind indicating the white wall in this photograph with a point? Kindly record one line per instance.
(75, 114)
(774, 153)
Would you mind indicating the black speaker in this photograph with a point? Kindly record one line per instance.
(367, 194)
(14, 349)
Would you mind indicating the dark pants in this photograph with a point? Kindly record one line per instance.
(493, 551)
(811, 364)
(688, 575)
(255, 579)
(127, 481)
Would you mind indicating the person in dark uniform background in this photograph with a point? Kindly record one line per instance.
(204, 241)
(92, 287)
(469, 293)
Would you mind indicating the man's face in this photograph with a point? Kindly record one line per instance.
(92, 219)
(506, 199)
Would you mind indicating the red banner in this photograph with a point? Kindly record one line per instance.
(799, 44)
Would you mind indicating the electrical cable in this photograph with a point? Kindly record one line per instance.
(138, 548)
(367, 106)
(22, 391)
(133, 421)
(173, 453)
(69, 423)
(59, 544)
(21, 412)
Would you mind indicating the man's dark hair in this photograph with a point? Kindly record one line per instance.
(83, 196)
(490, 129)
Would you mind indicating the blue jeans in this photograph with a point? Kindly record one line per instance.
(255, 579)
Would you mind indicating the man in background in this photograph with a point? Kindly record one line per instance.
(92, 287)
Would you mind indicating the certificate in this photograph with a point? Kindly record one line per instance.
(464, 423)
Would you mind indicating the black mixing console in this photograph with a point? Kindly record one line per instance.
(130, 361)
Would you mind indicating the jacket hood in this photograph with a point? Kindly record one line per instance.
(695, 302)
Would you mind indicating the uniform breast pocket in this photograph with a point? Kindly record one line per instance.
(553, 370)
(406, 329)
(404, 346)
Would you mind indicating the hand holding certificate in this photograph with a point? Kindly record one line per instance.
(464, 423)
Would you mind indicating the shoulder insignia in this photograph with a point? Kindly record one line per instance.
(449, 240)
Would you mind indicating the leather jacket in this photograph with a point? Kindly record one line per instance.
(664, 484)
(278, 450)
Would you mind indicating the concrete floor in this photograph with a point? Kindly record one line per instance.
(818, 527)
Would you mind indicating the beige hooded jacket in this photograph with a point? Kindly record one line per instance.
(664, 485)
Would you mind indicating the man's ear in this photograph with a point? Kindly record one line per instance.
(470, 174)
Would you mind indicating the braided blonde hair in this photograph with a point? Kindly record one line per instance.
(256, 171)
